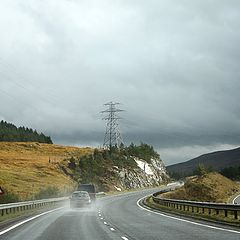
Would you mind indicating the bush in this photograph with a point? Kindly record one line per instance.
(202, 170)
(143, 151)
(9, 197)
(49, 192)
(231, 172)
(72, 163)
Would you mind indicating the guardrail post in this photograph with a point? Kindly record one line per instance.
(203, 210)
(2, 213)
(226, 213)
(217, 211)
(209, 211)
(235, 214)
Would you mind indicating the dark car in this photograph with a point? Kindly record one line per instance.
(80, 199)
(90, 188)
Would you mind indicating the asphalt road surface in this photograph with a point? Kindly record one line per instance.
(115, 217)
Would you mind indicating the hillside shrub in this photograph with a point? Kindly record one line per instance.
(48, 192)
(231, 172)
(8, 197)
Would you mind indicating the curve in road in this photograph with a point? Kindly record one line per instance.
(115, 217)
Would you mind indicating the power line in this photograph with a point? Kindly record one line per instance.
(11, 73)
(112, 135)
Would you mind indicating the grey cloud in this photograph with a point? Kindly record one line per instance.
(174, 66)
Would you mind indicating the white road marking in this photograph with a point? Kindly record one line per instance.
(235, 199)
(99, 215)
(105, 223)
(112, 229)
(101, 218)
(27, 220)
(188, 221)
(124, 238)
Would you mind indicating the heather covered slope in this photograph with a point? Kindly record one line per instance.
(28, 167)
(211, 187)
(215, 160)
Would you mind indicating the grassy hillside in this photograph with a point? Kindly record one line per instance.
(212, 187)
(215, 160)
(26, 168)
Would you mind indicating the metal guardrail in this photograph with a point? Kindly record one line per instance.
(198, 207)
(23, 206)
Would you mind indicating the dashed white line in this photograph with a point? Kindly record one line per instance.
(101, 218)
(105, 223)
(124, 238)
(112, 229)
(187, 221)
(27, 220)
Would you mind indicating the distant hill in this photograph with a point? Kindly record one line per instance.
(10, 133)
(215, 160)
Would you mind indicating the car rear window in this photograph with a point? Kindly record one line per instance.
(87, 187)
(80, 194)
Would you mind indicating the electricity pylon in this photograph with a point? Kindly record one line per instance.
(112, 135)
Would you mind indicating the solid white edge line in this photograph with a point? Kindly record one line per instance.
(184, 220)
(27, 220)
(235, 198)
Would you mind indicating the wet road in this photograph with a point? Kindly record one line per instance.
(115, 217)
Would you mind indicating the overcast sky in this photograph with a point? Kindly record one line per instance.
(174, 66)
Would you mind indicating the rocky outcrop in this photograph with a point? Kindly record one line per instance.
(144, 175)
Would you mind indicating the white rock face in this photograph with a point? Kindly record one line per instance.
(144, 166)
(145, 175)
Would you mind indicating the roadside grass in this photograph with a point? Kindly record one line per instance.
(211, 187)
(216, 218)
(26, 168)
